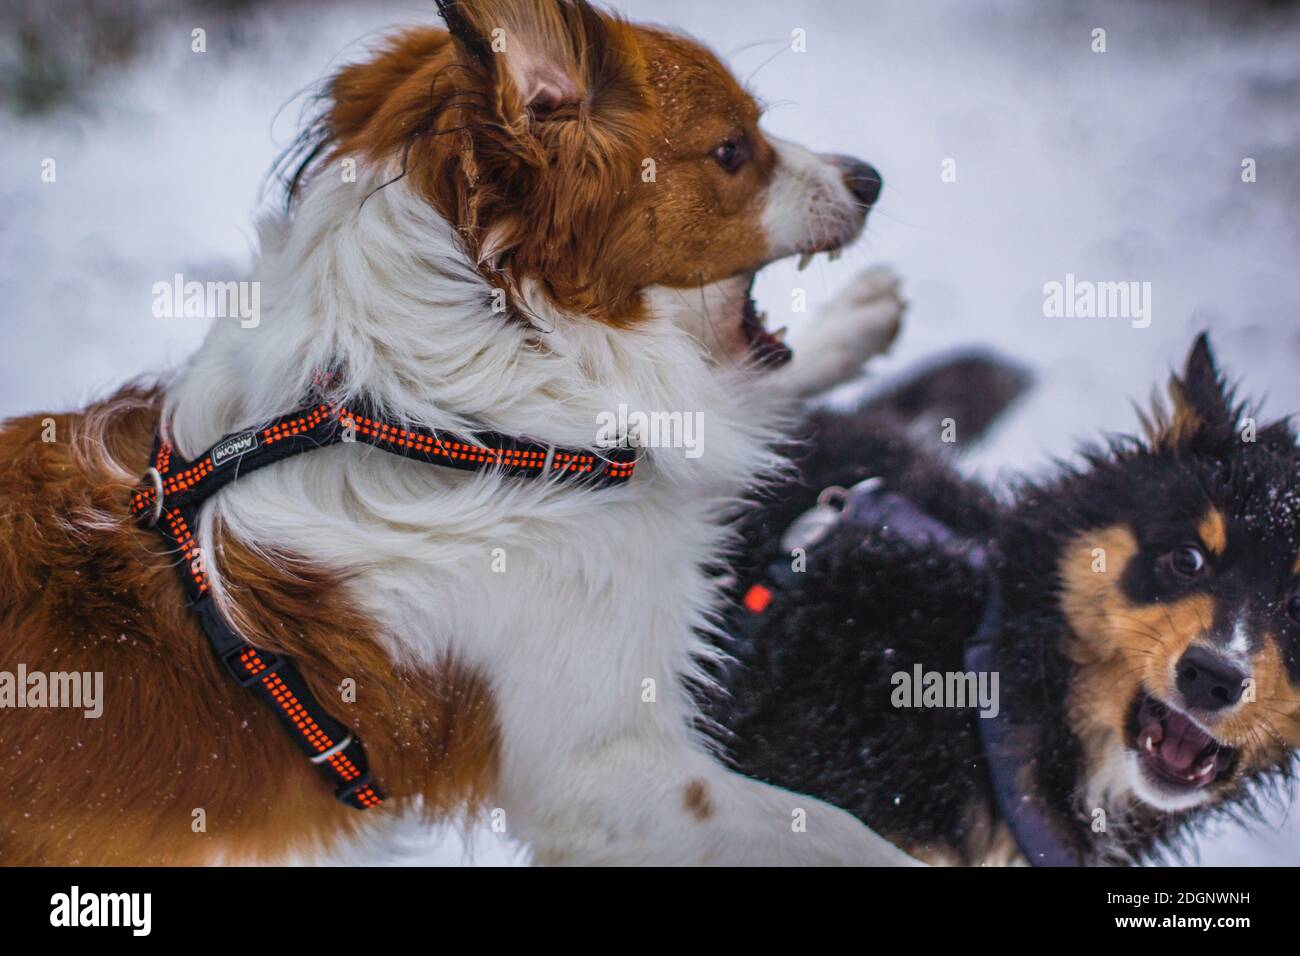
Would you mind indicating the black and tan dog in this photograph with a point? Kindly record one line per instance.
(1137, 620)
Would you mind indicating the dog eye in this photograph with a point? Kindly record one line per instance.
(730, 155)
(1187, 561)
(1293, 608)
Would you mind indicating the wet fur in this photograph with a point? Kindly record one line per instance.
(809, 704)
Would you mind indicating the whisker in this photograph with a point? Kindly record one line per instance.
(1140, 623)
(757, 43)
(1282, 700)
(1285, 716)
(749, 79)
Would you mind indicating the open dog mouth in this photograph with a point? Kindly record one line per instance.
(768, 348)
(1173, 751)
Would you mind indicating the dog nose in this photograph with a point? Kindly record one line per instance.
(1208, 682)
(861, 179)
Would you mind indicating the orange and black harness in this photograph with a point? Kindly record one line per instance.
(172, 491)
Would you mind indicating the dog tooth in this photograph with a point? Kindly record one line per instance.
(804, 259)
(1150, 747)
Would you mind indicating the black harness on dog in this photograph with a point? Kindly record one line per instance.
(1007, 747)
(172, 491)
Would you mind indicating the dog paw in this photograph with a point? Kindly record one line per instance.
(859, 323)
(867, 313)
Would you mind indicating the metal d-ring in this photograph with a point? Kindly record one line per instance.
(156, 476)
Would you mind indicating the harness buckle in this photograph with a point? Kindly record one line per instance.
(338, 748)
(271, 663)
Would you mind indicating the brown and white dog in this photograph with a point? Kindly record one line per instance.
(546, 216)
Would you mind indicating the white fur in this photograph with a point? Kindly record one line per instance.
(859, 323)
(1156, 796)
(808, 206)
(603, 589)
(1237, 650)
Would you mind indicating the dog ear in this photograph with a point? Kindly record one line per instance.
(531, 53)
(554, 101)
(1204, 418)
(1202, 402)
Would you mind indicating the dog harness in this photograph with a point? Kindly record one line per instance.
(1006, 745)
(172, 491)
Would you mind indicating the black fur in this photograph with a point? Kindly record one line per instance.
(807, 705)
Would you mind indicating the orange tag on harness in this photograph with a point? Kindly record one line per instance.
(757, 599)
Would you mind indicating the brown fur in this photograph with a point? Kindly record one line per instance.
(541, 187)
(559, 194)
(987, 842)
(1171, 429)
(696, 800)
(1122, 647)
(1214, 532)
(82, 588)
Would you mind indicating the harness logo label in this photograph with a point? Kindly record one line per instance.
(233, 448)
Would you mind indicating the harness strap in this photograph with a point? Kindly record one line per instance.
(171, 492)
(327, 743)
(1006, 750)
(327, 424)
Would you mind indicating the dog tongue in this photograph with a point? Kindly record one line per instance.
(1182, 744)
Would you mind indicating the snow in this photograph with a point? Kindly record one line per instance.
(1115, 166)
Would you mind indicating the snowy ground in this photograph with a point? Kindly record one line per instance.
(1123, 165)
